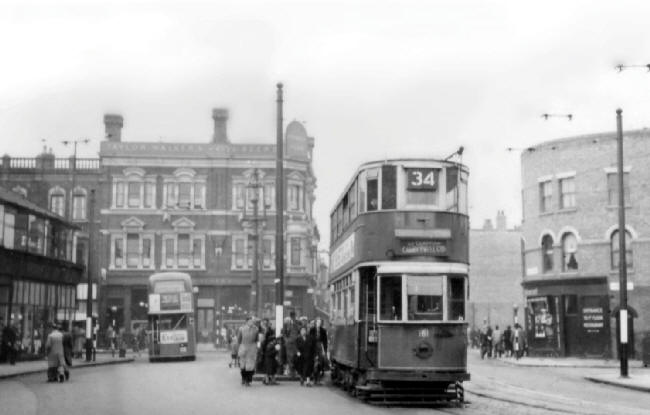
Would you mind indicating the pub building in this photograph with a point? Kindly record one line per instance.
(38, 278)
(571, 244)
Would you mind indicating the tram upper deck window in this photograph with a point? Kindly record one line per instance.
(390, 302)
(456, 198)
(424, 296)
(422, 186)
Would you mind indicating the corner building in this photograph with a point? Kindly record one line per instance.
(189, 207)
(570, 228)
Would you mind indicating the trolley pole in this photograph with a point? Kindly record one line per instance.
(279, 218)
(622, 257)
(89, 267)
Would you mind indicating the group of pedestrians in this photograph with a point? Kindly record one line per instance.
(8, 342)
(301, 349)
(496, 342)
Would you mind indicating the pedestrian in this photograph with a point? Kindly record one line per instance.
(290, 333)
(120, 339)
(141, 339)
(10, 343)
(486, 340)
(79, 335)
(234, 350)
(270, 350)
(320, 364)
(306, 346)
(56, 366)
(497, 341)
(110, 336)
(507, 341)
(264, 329)
(68, 347)
(247, 339)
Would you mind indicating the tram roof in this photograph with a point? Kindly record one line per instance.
(382, 162)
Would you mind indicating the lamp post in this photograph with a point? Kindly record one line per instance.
(195, 292)
(279, 216)
(89, 292)
(256, 284)
(622, 258)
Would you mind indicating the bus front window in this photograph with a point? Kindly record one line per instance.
(424, 294)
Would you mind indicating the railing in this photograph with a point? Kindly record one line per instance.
(48, 163)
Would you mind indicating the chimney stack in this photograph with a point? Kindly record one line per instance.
(113, 124)
(501, 221)
(220, 117)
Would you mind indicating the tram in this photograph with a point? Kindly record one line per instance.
(399, 282)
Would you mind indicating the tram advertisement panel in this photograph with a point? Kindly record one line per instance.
(170, 302)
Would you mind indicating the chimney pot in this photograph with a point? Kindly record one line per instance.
(113, 124)
(220, 117)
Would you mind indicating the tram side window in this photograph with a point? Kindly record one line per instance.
(456, 299)
(424, 296)
(373, 203)
(362, 191)
(391, 298)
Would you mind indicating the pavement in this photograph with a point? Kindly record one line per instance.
(638, 379)
(40, 366)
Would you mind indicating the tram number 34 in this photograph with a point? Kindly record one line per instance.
(424, 333)
(421, 179)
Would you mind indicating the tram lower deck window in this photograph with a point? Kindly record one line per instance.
(424, 294)
(391, 298)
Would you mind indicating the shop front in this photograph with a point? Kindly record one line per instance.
(568, 317)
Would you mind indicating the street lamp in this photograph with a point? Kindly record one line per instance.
(546, 116)
(195, 292)
(622, 258)
(279, 215)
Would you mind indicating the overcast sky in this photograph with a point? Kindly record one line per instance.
(371, 79)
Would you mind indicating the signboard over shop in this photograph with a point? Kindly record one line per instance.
(593, 319)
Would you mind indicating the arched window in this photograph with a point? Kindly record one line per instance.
(57, 200)
(615, 251)
(569, 252)
(547, 253)
(79, 204)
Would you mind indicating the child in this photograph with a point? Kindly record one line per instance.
(234, 350)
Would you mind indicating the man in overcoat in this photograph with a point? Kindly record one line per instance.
(247, 339)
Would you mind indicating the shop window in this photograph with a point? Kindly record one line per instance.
(571, 304)
(36, 235)
(424, 297)
(614, 248)
(569, 252)
(390, 302)
(547, 253)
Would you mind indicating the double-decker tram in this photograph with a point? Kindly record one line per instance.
(399, 282)
(171, 317)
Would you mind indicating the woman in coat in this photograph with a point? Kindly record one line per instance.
(247, 339)
(56, 367)
(306, 345)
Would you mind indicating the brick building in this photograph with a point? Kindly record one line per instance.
(189, 207)
(570, 229)
(495, 274)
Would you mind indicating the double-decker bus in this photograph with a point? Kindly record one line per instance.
(171, 317)
(399, 282)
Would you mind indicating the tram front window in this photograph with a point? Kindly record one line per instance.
(424, 296)
(171, 321)
(391, 298)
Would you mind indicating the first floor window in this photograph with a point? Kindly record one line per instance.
(118, 252)
(79, 207)
(547, 253)
(569, 251)
(295, 197)
(240, 253)
(545, 196)
(149, 195)
(267, 248)
(269, 196)
(134, 195)
(295, 251)
(57, 203)
(199, 195)
(197, 253)
(615, 249)
(183, 251)
(239, 196)
(184, 195)
(119, 194)
(172, 195)
(169, 253)
(146, 252)
(132, 250)
(567, 193)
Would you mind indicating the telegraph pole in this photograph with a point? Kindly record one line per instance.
(256, 285)
(622, 257)
(279, 217)
(89, 292)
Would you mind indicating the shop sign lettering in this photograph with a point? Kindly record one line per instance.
(420, 247)
(593, 319)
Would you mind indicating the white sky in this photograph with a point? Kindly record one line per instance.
(372, 79)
